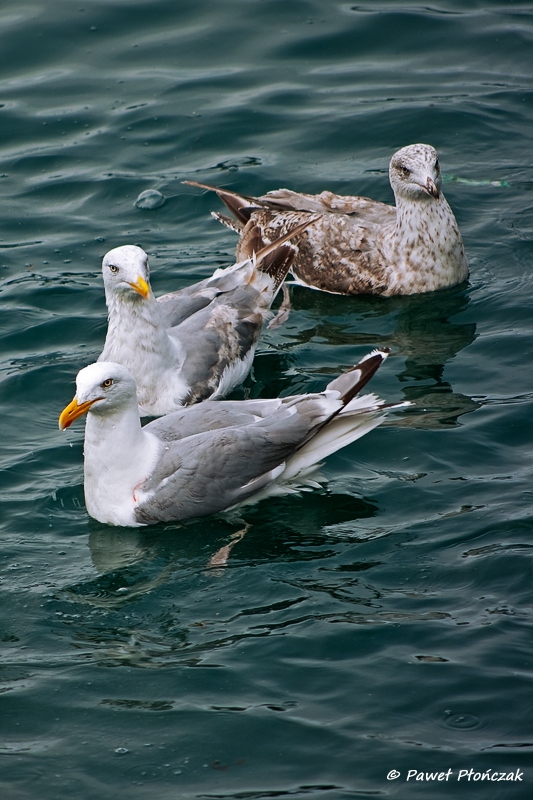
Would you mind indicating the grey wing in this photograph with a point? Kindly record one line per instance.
(213, 471)
(218, 338)
(179, 306)
(211, 415)
(175, 307)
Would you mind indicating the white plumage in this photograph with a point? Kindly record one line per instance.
(196, 343)
(210, 457)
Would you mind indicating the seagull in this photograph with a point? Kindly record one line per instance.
(213, 456)
(199, 342)
(359, 245)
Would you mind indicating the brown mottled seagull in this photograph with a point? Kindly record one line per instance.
(361, 246)
(213, 456)
(199, 342)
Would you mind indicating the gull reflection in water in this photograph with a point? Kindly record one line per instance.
(421, 329)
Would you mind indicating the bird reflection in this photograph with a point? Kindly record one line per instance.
(116, 551)
(121, 555)
(418, 327)
(152, 602)
(113, 549)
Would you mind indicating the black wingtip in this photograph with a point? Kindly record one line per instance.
(350, 383)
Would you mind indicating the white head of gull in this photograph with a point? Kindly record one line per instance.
(362, 246)
(213, 456)
(196, 343)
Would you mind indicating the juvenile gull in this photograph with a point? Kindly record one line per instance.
(213, 456)
(196, 343)
(361, 246)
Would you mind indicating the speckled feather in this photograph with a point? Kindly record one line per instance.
(361, 246)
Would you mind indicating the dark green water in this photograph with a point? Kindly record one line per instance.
(382, 623)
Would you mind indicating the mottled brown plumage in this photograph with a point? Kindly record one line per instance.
(361, 246)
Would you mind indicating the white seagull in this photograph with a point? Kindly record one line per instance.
(361, 246)
(213, 456)
(196, 343)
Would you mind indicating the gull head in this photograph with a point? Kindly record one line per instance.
(414, 173)
(126, 272)
(102, 388)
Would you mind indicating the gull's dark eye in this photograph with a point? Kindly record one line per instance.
(113, 269)
(405, 171)
(437, 165)
(107, 383)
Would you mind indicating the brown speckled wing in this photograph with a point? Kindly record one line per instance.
(335, 254)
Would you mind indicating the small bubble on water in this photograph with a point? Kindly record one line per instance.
(121, 751)
(462, 721)
(150, 199)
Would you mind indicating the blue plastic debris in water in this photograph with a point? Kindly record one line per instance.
(150, 199)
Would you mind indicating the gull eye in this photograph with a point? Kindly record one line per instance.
(107, 383)
(405, 171)
(437, 165)
(113, 269)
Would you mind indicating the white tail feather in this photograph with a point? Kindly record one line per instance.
(338, 433)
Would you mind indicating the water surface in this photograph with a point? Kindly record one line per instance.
(382, 622)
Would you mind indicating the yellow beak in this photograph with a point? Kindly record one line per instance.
(141, 286)
(73, 411)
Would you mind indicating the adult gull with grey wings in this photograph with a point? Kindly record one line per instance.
(198, 342)
(213, 456)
